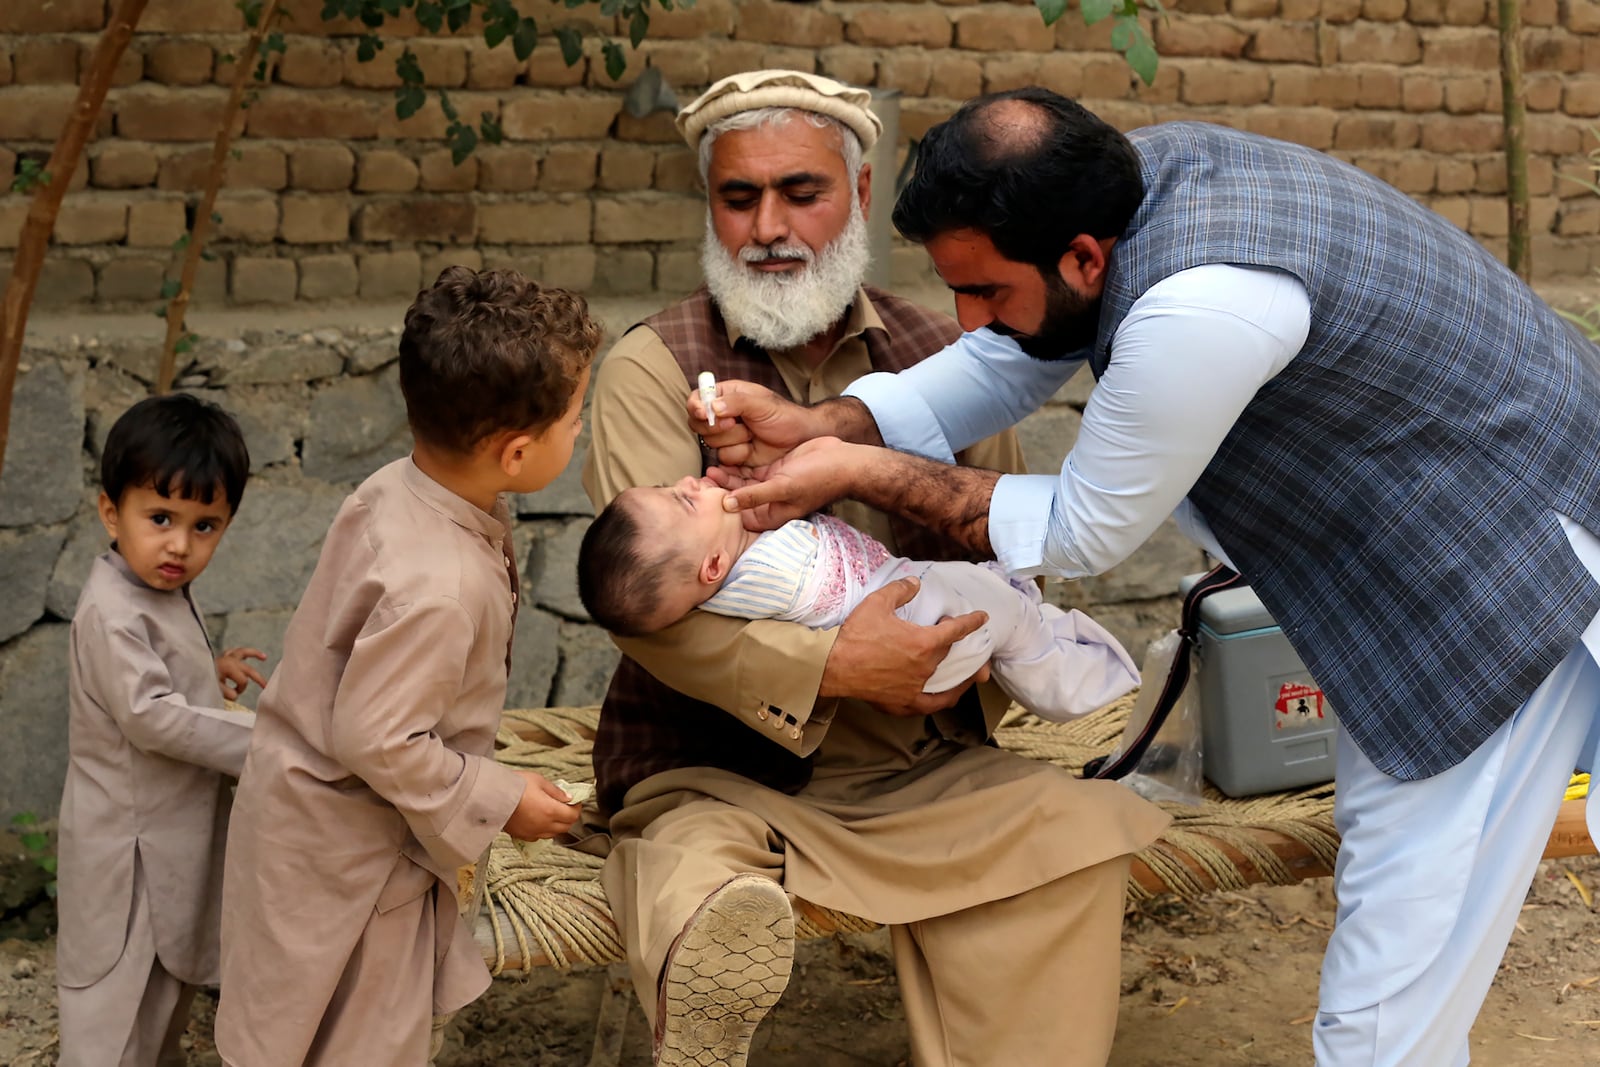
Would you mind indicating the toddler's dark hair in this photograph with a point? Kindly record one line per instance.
(618, 582)
(177, 442)
(487, 351)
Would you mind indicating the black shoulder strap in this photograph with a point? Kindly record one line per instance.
(1117, 765)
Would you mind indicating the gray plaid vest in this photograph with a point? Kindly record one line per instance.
(647, 727)
(1392, 494)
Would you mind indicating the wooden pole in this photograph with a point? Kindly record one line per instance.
(41, 220)
(178, 309)
(1513, 110)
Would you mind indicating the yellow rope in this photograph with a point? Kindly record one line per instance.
(549, 897)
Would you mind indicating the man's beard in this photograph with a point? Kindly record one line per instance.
(1071, 323)
(784, 310)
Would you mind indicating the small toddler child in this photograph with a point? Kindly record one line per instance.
(371, 779)
(656, 553)
(150, 750)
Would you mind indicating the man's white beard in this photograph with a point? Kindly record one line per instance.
(784, 310)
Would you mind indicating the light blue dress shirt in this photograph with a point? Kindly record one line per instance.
(1184, 363)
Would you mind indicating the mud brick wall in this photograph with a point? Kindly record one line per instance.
(330, 197)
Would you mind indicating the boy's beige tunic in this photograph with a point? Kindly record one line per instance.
(910, 822)
(370, 780)
(151, 755)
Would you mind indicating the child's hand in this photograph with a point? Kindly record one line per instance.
(235, 675)
(542, 812)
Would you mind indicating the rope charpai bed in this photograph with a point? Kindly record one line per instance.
(540, 904)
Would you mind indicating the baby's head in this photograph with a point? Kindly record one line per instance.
(172, 474)
(657, 552)
(493, 368)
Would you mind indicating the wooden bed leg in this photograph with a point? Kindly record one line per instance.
(616, 1002)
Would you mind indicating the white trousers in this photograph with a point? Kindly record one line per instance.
(1057, 664)
(1432, 874)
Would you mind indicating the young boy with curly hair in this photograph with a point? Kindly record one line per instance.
(150, 751)
(371, 778)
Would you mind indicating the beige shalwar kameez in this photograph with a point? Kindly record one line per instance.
(1002, 877)
(144, 814)
(370, 780)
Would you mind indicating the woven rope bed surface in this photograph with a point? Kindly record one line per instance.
(543, 904)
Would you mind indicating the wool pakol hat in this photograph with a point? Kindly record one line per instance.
(781, 88)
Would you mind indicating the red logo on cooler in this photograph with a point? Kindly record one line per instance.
(1298, 704)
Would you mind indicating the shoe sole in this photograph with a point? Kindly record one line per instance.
(726, 972)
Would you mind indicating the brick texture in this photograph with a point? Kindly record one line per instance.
(330, 195)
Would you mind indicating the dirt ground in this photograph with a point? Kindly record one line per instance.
(1228, 981)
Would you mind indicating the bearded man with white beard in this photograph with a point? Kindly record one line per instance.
(745, 764)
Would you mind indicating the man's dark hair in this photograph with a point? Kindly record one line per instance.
(1029, 168)
(619, 584)
(487, 351)
(177, 442)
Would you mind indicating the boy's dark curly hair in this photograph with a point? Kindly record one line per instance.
(489, 351)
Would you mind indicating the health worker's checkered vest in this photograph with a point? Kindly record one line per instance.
(1392, 494)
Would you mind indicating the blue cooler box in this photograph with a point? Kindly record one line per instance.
(1265, 725)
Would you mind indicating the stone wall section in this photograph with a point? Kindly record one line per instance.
(330, 197)
(320, 411)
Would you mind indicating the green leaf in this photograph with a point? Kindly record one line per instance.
(463, 139)
(616, 62)
(1051, 10)
(610, 8)
(184, 346)
(489, 128)
(367, 48)
(525, 38)
(216, 217)
(447, 107)
(35, 841)
(251, 10)
(47, 864)
(638, 26)
(430, 15)
(24, 818)
(169, 288)
(208, 255)
(457, 17)
(161, 312)
(408, 100)
(181, 243)
(571, 45)
(494, 33)
(1122, 33)
(30, 175)
(1142, 58)
(1095, 10)
(408, 68)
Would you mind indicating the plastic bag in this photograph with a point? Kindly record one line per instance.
(1170, 769)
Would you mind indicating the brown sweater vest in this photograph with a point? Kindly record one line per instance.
(646, 727)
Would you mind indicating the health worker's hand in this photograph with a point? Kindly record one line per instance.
(755, 426)
(811, 477)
